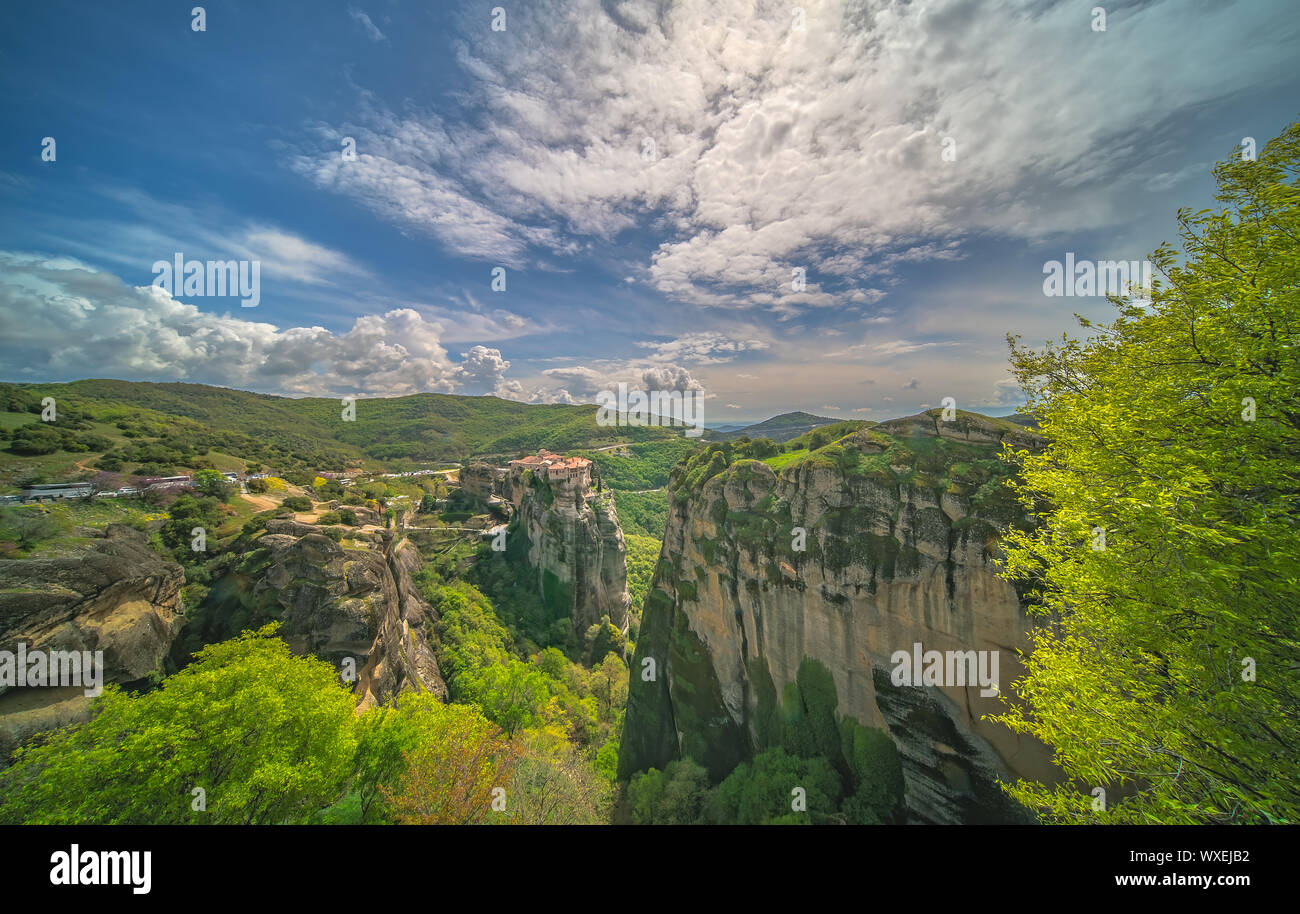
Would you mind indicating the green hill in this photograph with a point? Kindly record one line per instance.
(781, 428)
(167, 427)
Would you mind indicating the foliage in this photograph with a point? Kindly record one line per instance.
(23, 529)
(642, 557)
(267, 736)
(213, 484)
(679, 795)
(643, 513)
(457, 760)
(603, 638)
(185, 514)
(1146, 684)
(640, 466)
(762, 792)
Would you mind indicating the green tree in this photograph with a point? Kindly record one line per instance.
(213, 484)
(875, 775)
(679, 795)
(811, 724)
(28, 527)
(514, 695)
(35, 439)
(1167, 545)
(458, 761)
(186, 513)
(266, 736)
(763, 792)
(603, 638)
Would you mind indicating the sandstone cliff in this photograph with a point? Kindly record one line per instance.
(117, 595)
(338, 603)
(901, 525)
(571, 538)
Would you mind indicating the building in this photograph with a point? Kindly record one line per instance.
(56, 491)
(575, 471)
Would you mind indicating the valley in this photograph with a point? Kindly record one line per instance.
(492, 583)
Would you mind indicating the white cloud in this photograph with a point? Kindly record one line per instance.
(1006, 392)
(59, 317)
(293, 257)
(371, 30)
(669, 377)
(775, 148)
(483, 372)
(703, 348)
(583, 382)
(904, 347)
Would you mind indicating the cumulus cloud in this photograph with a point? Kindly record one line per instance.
(59, 316)
(581, 383)
(483, 370)
(762, 148)
(669, 377)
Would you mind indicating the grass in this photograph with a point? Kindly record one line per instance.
(783, 460)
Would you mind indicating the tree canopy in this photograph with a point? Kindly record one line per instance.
(1166, 557)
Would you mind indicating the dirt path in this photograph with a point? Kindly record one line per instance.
(261, 502)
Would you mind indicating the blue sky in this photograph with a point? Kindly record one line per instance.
(784, 136)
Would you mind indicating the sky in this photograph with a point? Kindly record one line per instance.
(540, 200)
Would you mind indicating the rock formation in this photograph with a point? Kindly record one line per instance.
(900, 525)
(572, 539)
(118, 596)
(338, 603)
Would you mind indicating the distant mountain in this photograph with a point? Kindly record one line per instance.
(783, 427)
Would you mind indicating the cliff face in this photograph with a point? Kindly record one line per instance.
(339, 603)
(901, 525)
(573, 541)
(117, 596)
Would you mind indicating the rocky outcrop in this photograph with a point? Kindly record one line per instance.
(402, 657)
(348, 604)
(481, 480)
(570, 536)
(899, 530)
(117, 595)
